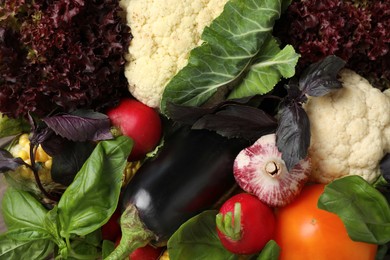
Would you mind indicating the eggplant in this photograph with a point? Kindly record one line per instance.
(190, 174)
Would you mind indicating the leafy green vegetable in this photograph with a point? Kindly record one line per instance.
(85, 206)
(231, 43)
(363, 209)
(21, 210)
(10, 126)
(270, 251)
(107, 248)
(93, 195)
(26, 237)
(32, 249)
(198, 239)
(269, 66)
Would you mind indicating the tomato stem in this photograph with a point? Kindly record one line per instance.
(229, 224)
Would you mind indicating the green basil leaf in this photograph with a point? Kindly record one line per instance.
(230, 43)
(11, 126)
(93, 196)
(270, 251)
(363, 209)
(82, 250)
(197, 239)
(107, 248)
(270, 66)
(16, 249)
(51, 224)
(20, 209)
(27, 234)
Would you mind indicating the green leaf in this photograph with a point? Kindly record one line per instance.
(93, 196)
(363, 209)
(107, 248)
(27, 234)
(21, 210)
(198, 239)
(10, 126)
(270, 251)
(11, 249)
(230, 43)
(51, 224)
(269, 67)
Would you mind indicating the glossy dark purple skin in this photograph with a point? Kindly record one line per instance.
(189, 175)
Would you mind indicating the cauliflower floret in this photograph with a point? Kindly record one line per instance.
(164, 32)
(350, 130)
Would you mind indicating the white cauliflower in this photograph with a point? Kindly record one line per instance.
(350, 130)
(164, 32)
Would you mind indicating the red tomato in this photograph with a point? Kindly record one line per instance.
(147, 252)
(304, 231)
(257, 224)
(112, 229)
(138, 121)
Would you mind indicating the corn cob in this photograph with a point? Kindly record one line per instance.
(42, 160)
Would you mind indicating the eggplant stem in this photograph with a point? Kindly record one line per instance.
(134, 234)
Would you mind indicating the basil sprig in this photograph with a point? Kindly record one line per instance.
(363, 209)
(73, 225)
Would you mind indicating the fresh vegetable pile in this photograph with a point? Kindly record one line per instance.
(261, 136)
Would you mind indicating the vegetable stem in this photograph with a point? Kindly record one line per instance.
(134, 234)
(36, 175)
(230, 223)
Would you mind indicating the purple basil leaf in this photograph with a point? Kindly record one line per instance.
(40, 135)
(385, 167)
(68, 163)
(81, 126)
(238, 121)
(186, 114)
(39, 130)
(190, 114)
(293, 134)
(8, 162)
(320, 78)
(54, 145)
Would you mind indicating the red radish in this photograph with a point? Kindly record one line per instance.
(112, 229)
(245, 224)
(260, 170)
(138, 121)
(147, 252)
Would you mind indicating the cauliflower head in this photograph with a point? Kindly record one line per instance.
(164, 32)
(350, 130)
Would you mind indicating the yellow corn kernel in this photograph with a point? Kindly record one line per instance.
(164, 256)
(23, 140)
(23, 154)
(26, 172)
(48, 164)
(41, 155)
(130, 171)
(44, 176)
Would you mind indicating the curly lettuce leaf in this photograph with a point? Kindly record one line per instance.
(231, 42)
